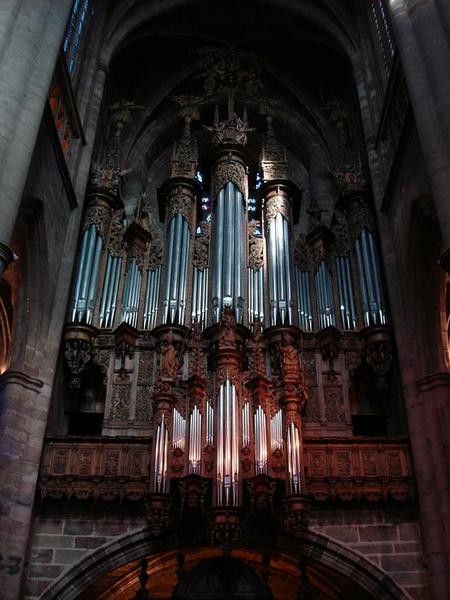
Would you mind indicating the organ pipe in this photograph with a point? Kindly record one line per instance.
(346, 298)
(87, 276)
(195, 440)
(294, 459)
(324, 295)
(280, 287)
(227, 473)
(131, 294)
(255, 295)
(160, 480)
(246, 425)
(276, 431)
(178, 240)
(200, 296)
(260, 424)
(179, 430)
(151, 301)
(110, 290)
(305, 318)
(209, 441)
(227, 286)
(372, 297)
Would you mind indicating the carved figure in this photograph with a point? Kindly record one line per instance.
(169, 359)
(288, 358)
(227, 328)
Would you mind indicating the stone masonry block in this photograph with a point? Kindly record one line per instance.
(68, 557)
(78, 527)
(89, 542)
(42, 555)
(401, 562)
(378, 533)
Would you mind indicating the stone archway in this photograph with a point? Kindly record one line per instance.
(111, 571)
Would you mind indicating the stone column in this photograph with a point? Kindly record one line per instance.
(30, 36)
(423, 43)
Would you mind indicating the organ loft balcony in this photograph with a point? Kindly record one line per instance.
(341, 470)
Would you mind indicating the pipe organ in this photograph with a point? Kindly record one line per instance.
(226, 319)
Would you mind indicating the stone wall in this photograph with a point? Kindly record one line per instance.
(63, 536)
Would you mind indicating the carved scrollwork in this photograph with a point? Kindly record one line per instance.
(137, 253)
(180, 201)
(77, 354)
(201, 248)
(116, 233)
(230, 171)
(359, 217)
(98, 215)
(341, 234)
(256, 247)
(185, 155)
(274, 205)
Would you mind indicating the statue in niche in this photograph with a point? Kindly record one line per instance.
(168, 366)
(227, 337)
(288, 358)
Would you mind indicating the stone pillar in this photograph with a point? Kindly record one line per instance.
(423, 43)
(30, 37)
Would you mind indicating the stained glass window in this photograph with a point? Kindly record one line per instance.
(75, 31)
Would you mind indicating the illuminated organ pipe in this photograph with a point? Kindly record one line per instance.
(246, 425)
(276, 431)
(209, 440)
(195, 440)
(260, 424)
(178, 239)
(227, 446)
(305, 319)
(152, 298)
(200, 296)
(294, 459)
(227, 287)
(178, 430)
(110, 289)
(160, 479)
(255, 295)
(370, 284)
(324, 295)
(278, 244)
(84, 295)
(131, 294)
(346, 299)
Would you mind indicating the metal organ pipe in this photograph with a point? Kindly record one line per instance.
(346, 298)
(195, 440)
(255, 295)
(152, 298)
(84, 295)
(131, 294)
(200, 295)
(294, 459)
(227, 474)
(324, 293)
(280, 286)
(227, 288)
(260, 441)
(369, 273)
(179, 430)
(209, 440)
(178, 239)
(276, 431)
(304, 301)
(246, 425)
(161, 455)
